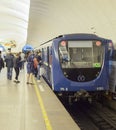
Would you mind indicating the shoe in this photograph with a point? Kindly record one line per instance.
(31, 83)
(17, 81)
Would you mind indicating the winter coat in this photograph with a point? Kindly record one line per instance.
(17, 62)
(9, 60)
(1, 63)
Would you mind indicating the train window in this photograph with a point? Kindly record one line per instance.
(81, 54)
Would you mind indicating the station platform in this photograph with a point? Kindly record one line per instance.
(31, 107)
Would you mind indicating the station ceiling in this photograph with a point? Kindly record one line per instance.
(14, 23)
(36, 21)
(50, 18)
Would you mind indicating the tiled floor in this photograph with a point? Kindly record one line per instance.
(20, 108)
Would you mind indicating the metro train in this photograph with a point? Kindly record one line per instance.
(112, 79)
(77, 65)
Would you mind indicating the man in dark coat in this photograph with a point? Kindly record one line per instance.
(1, 62)
(17, 61)
(9, 64)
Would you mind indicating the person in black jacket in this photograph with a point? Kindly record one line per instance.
(9, 64)
(1, 62)
(17, 61)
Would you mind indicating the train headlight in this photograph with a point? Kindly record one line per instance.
(100, 88)
(98, 43)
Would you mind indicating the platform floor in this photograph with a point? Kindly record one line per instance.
(31, 107)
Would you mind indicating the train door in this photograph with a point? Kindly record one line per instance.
(49, 57)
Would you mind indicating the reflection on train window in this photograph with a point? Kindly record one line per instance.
(81, 54)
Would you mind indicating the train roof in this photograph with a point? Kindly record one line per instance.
(85, 36)
(79, 36)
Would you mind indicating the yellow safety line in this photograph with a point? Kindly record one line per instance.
(47, 122)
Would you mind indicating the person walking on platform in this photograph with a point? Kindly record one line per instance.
(30, 67)
(39, 65)
(1, 62)
(9, 64)
(17, 60)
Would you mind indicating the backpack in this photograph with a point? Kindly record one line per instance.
(35, 62)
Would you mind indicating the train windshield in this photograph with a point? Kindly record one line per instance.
(81, 56)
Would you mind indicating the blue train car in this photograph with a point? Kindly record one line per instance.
(112, 80)
(77, 64)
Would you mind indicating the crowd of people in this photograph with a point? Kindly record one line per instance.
(16, 61)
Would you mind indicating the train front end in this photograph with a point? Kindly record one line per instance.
(82, 65)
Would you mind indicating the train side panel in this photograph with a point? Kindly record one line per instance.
(112, 80)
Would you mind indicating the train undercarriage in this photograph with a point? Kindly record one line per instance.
(82, 95)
